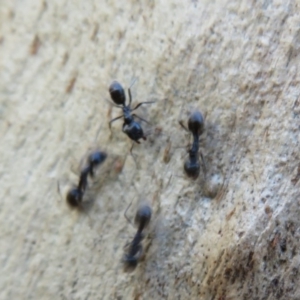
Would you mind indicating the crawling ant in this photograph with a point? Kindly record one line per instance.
(75, 195)
(196, 127)
(135, 248)
(130, 127)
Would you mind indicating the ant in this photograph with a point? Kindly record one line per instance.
(75, 195)
(135, 248)
(130, 127)
(196, 127)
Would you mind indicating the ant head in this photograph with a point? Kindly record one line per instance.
(192, 169)
(117, 93)
(74, 197)
(143, 216)
(196, 122)
(96, 158)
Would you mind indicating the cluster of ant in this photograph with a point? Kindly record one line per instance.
(134, 131)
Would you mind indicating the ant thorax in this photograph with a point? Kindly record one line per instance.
(128, 118)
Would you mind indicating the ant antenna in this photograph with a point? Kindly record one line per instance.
(125, 214)
(98, 132)
(133, 81)
(58, 190)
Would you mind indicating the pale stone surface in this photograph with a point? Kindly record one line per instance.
(235, 236)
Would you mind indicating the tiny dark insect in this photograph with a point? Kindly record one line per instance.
(196, 127)
(130, 127)
(135, 248)
(75, 195)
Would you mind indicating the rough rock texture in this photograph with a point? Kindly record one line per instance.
(232, 235)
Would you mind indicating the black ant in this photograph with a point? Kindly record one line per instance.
(132, 128)
(135, 248)
(75, 195)
(196, 127)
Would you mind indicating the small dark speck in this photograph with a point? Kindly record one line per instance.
(74, 282)
(283, 244)
(95, 32)
(241, 233)
(71, 84)
(275, 281)
(65, 58)
(35, 45)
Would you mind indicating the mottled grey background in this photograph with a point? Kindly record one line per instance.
(233, 235)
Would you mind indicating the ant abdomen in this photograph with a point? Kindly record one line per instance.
(131, 259)
(74, 197)
(134, 131)
(192, 168)
(196, 122)
(117, 93)
(130, 263)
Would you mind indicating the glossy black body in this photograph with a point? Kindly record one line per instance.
(143, 217)
(196, 127)
(135, 248)
(134, 252)
(132, 128)
(95, 159)
(75, 195)
(117, 93)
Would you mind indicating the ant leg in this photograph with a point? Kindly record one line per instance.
(111, 121)
(125, 215)
(132, 82)
(138, 105)
(203, 163)
(110, 102)
(187, 147)
(134, 115)
(97, 134)
(113, 104)
(58, 190)
(132, 153)
(130, 97)
(182, 125)
(131, 148)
